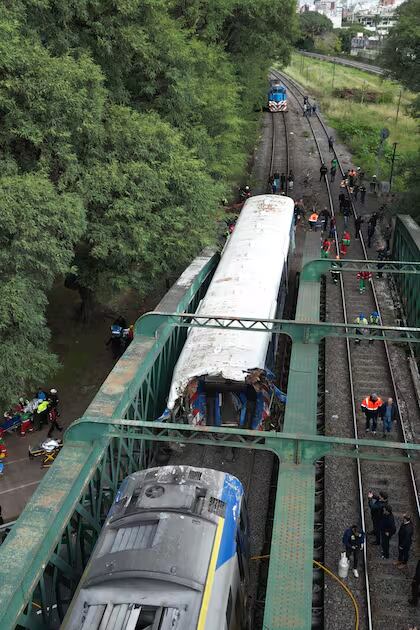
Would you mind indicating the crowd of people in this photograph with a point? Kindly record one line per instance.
(383, 529)
(29, 415)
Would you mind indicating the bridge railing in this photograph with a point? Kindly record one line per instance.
(44, 555)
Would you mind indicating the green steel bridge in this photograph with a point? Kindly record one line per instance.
(44, 555)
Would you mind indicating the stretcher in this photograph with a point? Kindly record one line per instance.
(47, 450)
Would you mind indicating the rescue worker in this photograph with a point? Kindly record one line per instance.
(344, 243)
(388, 414)
(335, 270)
(290, 181)
(353, 540)
(415, 587)
(330, 144)
(325, 248)
(373, 184)
(405, 538)
(41, 414)
(333, 171)
(52, 417)
(362, 191)
(313, 220)
(377, 502)
(244, 194)
(370, 407)
(323, 171)
(363, 277)
(53, 398)
(374, 320)
(388, 529)
(352, 177)
(360, 319)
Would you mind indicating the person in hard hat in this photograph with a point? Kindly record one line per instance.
(353, 540)
(370, 407)
(313, 220)
(374, 320)
(362, 321)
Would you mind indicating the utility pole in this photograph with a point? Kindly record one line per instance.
(398, 108)
(333, 75)
(392, 165)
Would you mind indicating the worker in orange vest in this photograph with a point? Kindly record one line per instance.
(313, 220)
(370, 407)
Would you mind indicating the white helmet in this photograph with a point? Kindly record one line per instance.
(53, 391)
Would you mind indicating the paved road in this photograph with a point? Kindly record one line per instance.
(346, 62)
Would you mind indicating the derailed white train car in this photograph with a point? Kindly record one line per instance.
(223, 377)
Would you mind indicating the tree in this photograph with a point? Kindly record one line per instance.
(312, 25)
(328, 44)
(150, 206)
(346, 35)
(38, 229)
(401, 51)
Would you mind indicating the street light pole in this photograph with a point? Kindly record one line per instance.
(392, 165)
(398, 108)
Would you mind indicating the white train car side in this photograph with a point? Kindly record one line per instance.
(221, 377)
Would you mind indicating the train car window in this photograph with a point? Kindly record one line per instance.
(217, 506)
(229, 608)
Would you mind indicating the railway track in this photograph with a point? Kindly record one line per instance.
(370, 370)
(346, 62)
(280, 155)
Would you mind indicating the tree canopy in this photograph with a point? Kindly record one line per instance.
(401, 51)
(312, 25)
(123, 124)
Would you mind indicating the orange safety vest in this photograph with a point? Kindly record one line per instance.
(313, 217)
(371, 405)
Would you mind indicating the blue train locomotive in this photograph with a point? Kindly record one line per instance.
(277, 97)
(172, 555)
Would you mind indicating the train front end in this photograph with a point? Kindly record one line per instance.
(277, 98)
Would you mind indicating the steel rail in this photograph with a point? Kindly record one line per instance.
(345, 62)
(274, 118)
(350, 372)
(376, 302)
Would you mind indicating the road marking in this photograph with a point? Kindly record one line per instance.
(24, 485)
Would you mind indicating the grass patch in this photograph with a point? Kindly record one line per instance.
(343, 94)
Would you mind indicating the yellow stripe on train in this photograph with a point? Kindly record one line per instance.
(210, 575)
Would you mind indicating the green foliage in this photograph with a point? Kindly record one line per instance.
(327, 44)
(401, 51)
(38, 229)
(128, 120)
(346, 35)
(312, 25)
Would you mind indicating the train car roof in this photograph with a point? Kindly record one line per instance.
(151, 561)
(245, 284)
